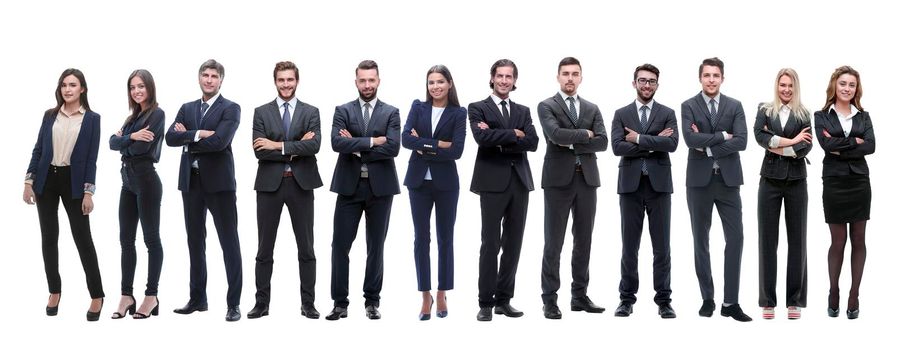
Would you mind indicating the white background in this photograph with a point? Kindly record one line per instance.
(327, 40)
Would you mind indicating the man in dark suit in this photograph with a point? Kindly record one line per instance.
(715, 130)
(205, 128)
(643, 134)
(574, 131)
(501, 176)
(286, 136)
(366, 134)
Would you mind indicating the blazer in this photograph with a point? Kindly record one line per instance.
(84, 154)
(654, 150)
(776, 166)
(214, 154)
(500, 152)
(139, 153)
(852, 157)
(561, 132)
(267, 122)
(380, 160)
(452, 127)
(730, 118)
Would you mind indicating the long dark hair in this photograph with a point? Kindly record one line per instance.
(59, 101)
(151, 103)
(452, 93)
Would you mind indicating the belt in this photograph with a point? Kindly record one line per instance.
(194, 171)
(578, 168)
(716, 171)
(364, 174)
(287, 174)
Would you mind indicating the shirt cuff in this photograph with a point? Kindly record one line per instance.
(196, 136)
(725, 135)
(709, 152)
(372, 142)
(789, 152)
(90, 188)
(637, 137)
(29, 178)
(774, 142)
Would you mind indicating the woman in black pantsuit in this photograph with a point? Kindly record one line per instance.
(782, 127)
(844, 131)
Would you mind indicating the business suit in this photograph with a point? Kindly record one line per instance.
(286, 177)
(645, 185)
(211, 186)
(707, 185)
(503, 180)
(432, 179)
(782, 179)
(66, 183)
(570, 180)
(369, 193)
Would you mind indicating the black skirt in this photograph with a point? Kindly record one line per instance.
(846, 199)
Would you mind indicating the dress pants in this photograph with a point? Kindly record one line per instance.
(300, 204)
(223, 206)
(140, 202)
(633, 207)
(504, 220)
(770, 196)
(58, 187)
(581, 199)
(346, 218)
(700, 207)
(422, 201)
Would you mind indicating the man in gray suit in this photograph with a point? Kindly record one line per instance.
(286, 136)
(575, 131)
(714, 129)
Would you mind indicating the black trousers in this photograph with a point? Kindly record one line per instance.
(301, 205)
(140, 202)
(446, 202)
(633, 207)
(223, 206)
(346, 218)
(58, 187)
(504, 220)
(770, 197)
(581, 199)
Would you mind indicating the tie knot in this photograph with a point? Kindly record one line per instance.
(571, 99)
(286, 105)
(644, 109)
(503, 103)
(367, 105)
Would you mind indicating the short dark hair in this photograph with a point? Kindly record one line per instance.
(367, 64)
(712, 61)
(504, 62)
(646, 67)
(568, 61)
(212, 64)
(285, 65)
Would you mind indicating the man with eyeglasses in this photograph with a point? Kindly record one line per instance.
(643, 134)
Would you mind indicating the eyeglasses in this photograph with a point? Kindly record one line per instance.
(650, 82)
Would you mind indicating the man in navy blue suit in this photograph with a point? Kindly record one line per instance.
(204, 129)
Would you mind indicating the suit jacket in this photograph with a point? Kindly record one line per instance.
(776, 166)
(380, 160)
(852, 159)
(560, 131)
(84, 155)
(267, 122)
(500, 152)
(730, 118)
(654, 150)
(441, 162)
(214, 154)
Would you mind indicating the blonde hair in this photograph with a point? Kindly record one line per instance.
(797, 108)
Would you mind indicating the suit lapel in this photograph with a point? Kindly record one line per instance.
(427, 123)
(635, 119)
(355, 114)
(723, 103)
(446, 115)
(273, 112)
(563, 105)
(212, 109)
(490, 104)
(699, 102)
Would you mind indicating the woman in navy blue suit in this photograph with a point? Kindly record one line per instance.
(140, 143)
(844, 130)
(435, 131)
(63, 167)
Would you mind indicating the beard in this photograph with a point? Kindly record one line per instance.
(369, 97)
(641, 95)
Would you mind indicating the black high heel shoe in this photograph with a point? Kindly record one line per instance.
(853, 314)
(442, 313)
(53, 310)
(833, 311)
(153, 312)
(130, 309)
(95, 316)
(426, 316)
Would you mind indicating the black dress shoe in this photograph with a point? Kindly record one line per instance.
(665, 310)
(258, 311)
(585, 304)
(233, 314)
(337, 313)
(551, 311)
(507, 310)
(853, 314)
(707, 308)
(191, 307)
(624, 310)
(734, 311)
(308, 310)
(371, 312)
(485, 314)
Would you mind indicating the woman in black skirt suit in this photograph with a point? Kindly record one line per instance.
(844, 131)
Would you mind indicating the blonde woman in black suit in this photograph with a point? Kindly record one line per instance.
(844, 131)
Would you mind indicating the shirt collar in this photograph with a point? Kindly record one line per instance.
(372, 102)
(564, 96)
(292, 102)
(639, 104)
(81, 111)
(853, 111)
(707, 99)
(212, 100)
(497, 100)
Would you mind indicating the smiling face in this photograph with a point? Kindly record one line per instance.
(846, 88)
(785, 89)
(137, 91)
(286, 82)
(645, 85)
(209, 82)
(71, 90)
(711, 79)
(569, 77)
(438, 87)
(367, 81)
(503, 81)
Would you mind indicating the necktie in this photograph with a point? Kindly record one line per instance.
(367, 117)
(572, 107)
(202, 111)
(644, 121)
(712, 110)
(504, 109)
(286, 119)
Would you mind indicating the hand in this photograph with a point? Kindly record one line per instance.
(666, 132)
(420, 152)
(28, 194)
(778, 151)
(443, 144)
(414, 133)
(262, 143)
(143, 135)
(694, 128)
(379, 140)
(835, 153)
(345, 133)
(205, 133)
(727, 136)
(308, 136)
(179, 127)
(860, 141)
(87, 204)
(118, 133)
(825, 133)
(591, 133)
(631, 135)
(519, 133)
(803, 136)
(483, 125)
(765, 128)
